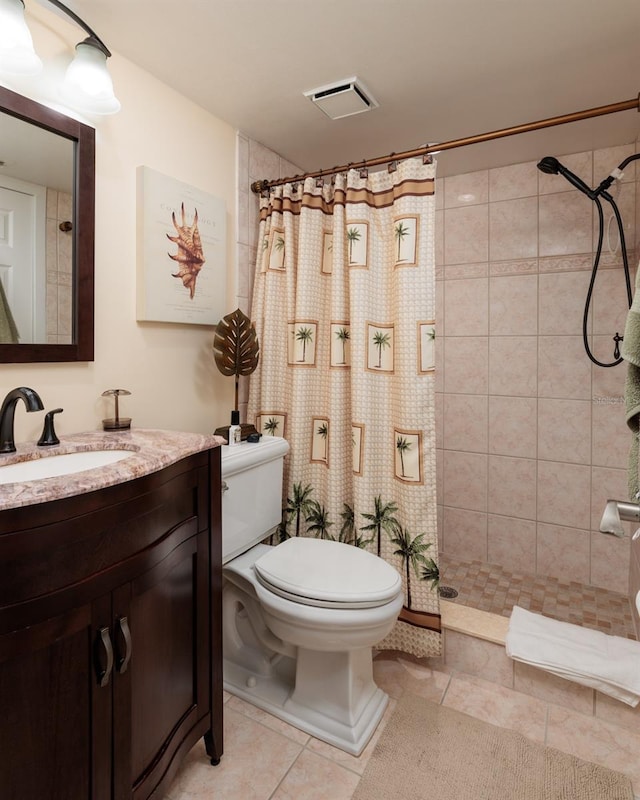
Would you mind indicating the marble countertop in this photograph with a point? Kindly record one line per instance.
(151, 450)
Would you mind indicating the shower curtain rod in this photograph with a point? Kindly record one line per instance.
(612, 108)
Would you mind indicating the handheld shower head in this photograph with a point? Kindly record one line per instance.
(551, 166)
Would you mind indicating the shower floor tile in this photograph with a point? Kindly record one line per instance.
(490, 587)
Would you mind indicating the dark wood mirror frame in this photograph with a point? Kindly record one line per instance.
(83, 138)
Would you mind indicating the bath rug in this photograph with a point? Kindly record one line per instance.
(430, 752)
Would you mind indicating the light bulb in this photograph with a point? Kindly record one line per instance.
(17, 56)
(87, 84)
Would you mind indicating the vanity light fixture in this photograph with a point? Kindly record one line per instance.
(87, 85)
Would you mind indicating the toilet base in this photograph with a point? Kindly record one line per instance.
(279, 695)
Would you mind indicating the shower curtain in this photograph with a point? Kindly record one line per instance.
(344, 309)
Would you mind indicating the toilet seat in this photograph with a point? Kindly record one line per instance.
(327, 574)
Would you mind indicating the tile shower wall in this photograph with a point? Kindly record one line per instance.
(59, 266)
(255, 162)
(531, 436)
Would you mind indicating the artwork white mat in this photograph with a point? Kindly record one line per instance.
(161, 297)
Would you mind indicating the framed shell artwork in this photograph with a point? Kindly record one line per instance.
(181, 251)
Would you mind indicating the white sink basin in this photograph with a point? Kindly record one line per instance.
(57, 465)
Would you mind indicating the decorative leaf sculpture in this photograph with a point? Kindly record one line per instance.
(235, 344)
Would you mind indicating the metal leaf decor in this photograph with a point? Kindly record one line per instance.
(235, 345)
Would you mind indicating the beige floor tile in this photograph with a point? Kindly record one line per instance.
(594, 740)
(552, 689)
(265, 759)
(395, 675)
(613, 711)
(254, 762)
(497, 705)
(269, 720)
(354, 763)
(313, 777)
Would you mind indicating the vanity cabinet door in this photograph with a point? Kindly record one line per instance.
(161, 640)
(55, 719)
(110, 636)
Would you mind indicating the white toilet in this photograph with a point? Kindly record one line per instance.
(300, 618)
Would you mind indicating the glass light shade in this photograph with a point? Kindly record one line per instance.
(17, 56)
(87, 84)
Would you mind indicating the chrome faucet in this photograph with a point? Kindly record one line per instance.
(7, 412)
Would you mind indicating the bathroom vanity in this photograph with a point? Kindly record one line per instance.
(110, 629)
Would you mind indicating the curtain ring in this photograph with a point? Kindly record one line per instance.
(364, 173)
(319, 182)
(427, 158)
(393, 166)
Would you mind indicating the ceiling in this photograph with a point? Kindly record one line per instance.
(439, 69)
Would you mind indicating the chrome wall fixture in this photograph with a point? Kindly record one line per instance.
(614, 512)
(87, 86)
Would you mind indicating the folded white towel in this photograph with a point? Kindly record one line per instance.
(610, 664)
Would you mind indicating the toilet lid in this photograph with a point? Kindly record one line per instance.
(324, 573)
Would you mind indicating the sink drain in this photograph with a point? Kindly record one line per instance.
(447, 591)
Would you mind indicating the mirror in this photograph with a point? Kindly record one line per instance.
(47, 209)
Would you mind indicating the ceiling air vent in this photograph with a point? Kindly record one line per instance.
(343, 98)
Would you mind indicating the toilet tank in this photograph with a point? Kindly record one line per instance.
(251, 493)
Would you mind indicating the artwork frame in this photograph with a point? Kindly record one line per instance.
(181, 251)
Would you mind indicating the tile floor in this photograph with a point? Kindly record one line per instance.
(266, 759)
(490, 587)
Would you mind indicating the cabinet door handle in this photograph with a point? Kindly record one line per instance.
(123, 661)
(103, 673)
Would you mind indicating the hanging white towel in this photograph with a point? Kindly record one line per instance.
(610, 664)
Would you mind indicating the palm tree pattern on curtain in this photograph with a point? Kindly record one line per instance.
(343, 336)
(375, 488)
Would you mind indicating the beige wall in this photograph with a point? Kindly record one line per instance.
(168, 368)
(532, 437)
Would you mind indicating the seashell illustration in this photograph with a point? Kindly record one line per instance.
(190, 255)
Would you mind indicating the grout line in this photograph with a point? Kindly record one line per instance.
(284, 776)
(259, 722)
(303, 747)
(331, 760)
(446, 688)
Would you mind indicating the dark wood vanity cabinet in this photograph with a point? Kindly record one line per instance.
(110, 636)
